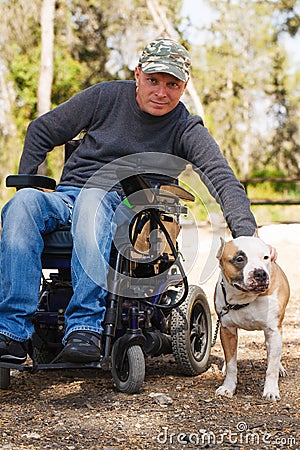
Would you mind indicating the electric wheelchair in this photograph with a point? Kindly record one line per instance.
(143, 319)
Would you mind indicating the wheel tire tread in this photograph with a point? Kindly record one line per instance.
(179, 319)
(136, 375)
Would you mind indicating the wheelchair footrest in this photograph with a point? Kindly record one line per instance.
(66, 365)
(53, 366)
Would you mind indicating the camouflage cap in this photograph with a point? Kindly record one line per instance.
(168, 56)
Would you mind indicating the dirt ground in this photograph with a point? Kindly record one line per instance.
(83, 410)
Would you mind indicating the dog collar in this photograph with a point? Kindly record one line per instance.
(225, 310)
(228, 306)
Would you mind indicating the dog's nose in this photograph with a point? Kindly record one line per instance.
(260, 275)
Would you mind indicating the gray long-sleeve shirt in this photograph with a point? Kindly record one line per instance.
(117, 129)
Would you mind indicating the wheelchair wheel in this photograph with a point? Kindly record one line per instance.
(4, 378)
(191, 332)
(128, 372)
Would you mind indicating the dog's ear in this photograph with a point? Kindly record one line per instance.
(256, 233)
(221, 248)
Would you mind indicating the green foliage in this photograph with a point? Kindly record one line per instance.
(25, 73)
(276, 213)
(69, 77)
(283, 145)
(288, 17)
(275, 190)
(89, 47)
(243, 69)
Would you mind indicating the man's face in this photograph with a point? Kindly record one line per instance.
(157, 93)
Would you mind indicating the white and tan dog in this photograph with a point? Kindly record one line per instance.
(252, 294)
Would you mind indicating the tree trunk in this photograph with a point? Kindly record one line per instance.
(46, 70)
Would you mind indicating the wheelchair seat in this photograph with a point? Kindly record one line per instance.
(58, 242)
(58, 249)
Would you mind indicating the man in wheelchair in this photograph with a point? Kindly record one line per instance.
(121, 118)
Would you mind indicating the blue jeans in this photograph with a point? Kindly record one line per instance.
(25, 218)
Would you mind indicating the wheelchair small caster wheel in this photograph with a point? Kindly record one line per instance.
(128, 370)
(191, 332)
(4, 378)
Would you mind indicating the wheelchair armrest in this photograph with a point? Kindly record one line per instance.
(133, 183)
(34, 181)
(179, 191)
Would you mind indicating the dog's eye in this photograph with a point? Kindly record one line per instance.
(239, 259)
(266, 257)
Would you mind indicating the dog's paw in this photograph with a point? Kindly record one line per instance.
(282, 371)
(271, 392)
(271, 389)
(271, 396)
(224, 392)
